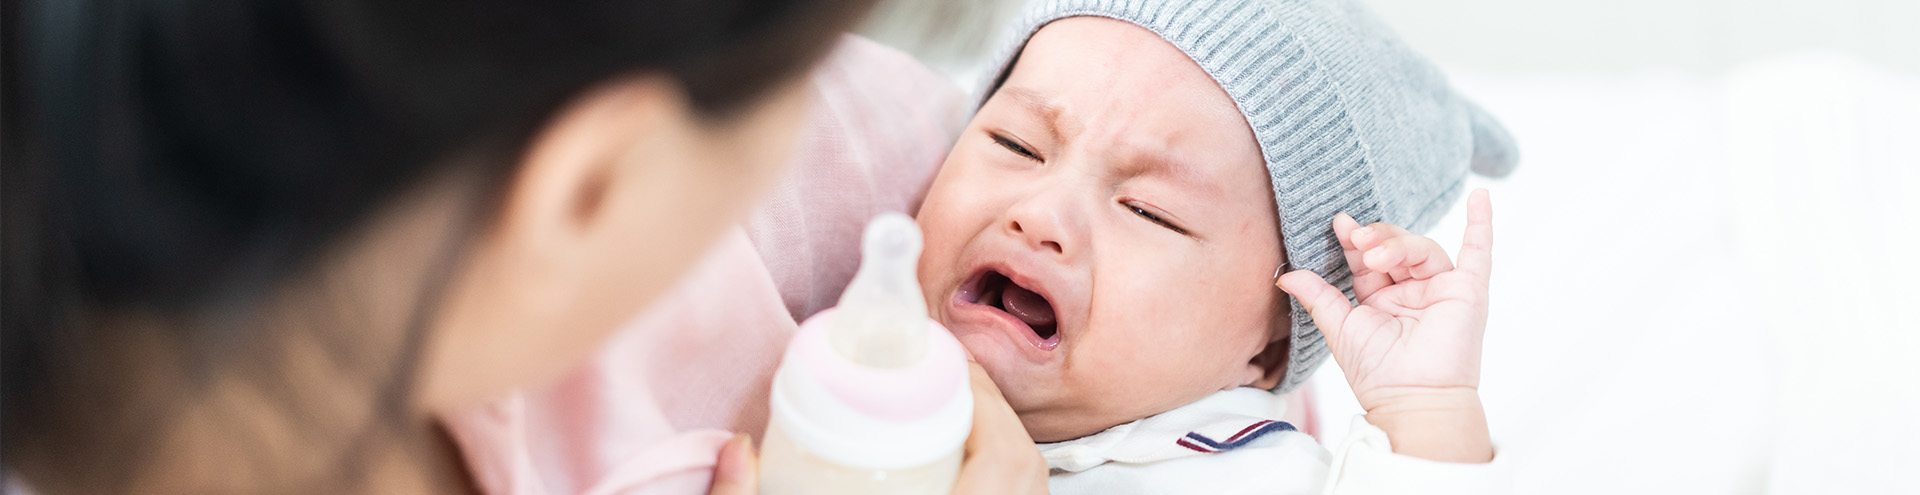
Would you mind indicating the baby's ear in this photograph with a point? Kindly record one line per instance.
(1269, 366)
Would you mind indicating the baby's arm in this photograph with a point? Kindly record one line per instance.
(1411, 349)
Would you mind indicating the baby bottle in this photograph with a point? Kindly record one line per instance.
(872, 396)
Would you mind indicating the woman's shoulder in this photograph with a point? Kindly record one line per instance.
(880, 127)
(862, 78)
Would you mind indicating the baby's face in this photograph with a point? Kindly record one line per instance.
(1102, 237)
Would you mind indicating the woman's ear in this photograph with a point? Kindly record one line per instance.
(616, 197)
(570, 246)
(564, 177)
(534, 265)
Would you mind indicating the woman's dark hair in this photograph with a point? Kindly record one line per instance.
(175, 156)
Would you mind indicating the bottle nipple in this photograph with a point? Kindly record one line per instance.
(881, 319)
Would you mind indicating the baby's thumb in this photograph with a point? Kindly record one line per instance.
(1327, 305)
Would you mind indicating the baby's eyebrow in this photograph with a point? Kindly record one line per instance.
(1039, 105)
(1175, 169)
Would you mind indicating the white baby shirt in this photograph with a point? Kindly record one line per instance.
(1227, 443)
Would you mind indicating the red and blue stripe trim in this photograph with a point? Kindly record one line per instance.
(1200, 443)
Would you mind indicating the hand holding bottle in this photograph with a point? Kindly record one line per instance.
(1000, 457)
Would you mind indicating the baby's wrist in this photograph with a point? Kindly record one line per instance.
(1446, 424)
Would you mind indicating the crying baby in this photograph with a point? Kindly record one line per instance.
(1108, 235)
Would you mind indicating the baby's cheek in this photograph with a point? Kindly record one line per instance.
(1158, 382)
(1235, 301)
(1147, 355)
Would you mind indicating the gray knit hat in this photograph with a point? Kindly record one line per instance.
(1349, 119)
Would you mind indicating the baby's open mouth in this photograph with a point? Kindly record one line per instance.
(1029, 307)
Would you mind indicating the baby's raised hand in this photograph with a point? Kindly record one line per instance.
(1411, 348)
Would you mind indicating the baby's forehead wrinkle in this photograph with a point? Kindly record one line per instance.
(1044, 108)
(1128, 151)
(1156, 157)
(1178, 169)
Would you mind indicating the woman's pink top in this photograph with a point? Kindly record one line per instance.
(648, 413)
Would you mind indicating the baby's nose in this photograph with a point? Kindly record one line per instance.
(1038, 241)
(1048, 222)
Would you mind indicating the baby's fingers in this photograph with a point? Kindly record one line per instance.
(1328, 306)
(1369, 237)
(1476, 247)
(1408, 257)
(1365, 282)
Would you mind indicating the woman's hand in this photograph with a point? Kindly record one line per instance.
(1000, 458)
(737, 472)
(1411, 349)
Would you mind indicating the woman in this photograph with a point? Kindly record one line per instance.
(258, 246)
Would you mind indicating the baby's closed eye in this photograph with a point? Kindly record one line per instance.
(1143, 211)
(1015, 147)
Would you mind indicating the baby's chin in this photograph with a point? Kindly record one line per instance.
(1055, 411)
(1034, 395)
(1005, 367)
(1064, 418)
(1050, 425)
(1019, 380)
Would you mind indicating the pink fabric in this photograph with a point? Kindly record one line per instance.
(649, 412)
(894, 122)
